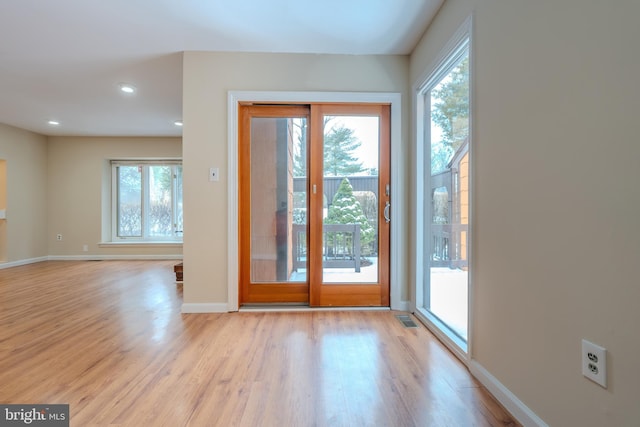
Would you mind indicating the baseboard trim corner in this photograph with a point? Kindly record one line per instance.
(22, 262)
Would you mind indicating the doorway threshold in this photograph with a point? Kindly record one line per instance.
(302, 308)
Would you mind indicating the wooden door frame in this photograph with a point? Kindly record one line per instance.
(398, 249)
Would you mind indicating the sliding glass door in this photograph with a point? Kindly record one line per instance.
(314, 204)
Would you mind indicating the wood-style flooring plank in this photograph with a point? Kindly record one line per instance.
(108, 338)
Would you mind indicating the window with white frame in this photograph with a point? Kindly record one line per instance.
(443, 171)
(146, 200)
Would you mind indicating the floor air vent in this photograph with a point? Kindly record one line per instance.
(406, 321)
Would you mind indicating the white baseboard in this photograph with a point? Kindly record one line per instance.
(111, 257)
(401, 306)
(509, 400)
(22, 262)
(214, 307)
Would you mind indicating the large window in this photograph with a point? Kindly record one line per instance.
(444, 141)
(147, 200)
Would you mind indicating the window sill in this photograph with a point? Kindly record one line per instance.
(140, 244)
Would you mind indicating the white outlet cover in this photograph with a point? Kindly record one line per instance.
(214, 174)
(594, 363)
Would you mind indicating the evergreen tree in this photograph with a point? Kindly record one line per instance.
(299, 127)
(450, 112)
(339, 144)
(345, 209)
(451, 107)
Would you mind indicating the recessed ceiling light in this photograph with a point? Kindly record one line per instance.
(53, 122)
(127, 88)
(178, 123)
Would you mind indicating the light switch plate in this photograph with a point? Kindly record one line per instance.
(214, 174)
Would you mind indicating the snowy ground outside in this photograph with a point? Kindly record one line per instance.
(368, 274)
(449, 291)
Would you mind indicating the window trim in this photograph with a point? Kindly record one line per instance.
(142, 240)
(450, 54)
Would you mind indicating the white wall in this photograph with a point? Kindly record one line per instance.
(78, 195)
(208, 77)
(557, 198)
(22, 234)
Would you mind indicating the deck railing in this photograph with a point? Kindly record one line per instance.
(449, 245)
(340, 246)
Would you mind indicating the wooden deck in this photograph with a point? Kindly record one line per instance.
(108, 338)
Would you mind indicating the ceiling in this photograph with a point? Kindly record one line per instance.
(63, 60)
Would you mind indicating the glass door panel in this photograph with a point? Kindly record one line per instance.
(351, 182)
(278, 234)
(273, 185)
(350, 236)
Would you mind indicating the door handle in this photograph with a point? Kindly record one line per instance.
(387, 209)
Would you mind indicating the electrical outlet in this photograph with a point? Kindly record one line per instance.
(594, 363)
(59, 237)
(85, 248)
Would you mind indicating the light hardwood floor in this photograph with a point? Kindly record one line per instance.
(108, 338)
